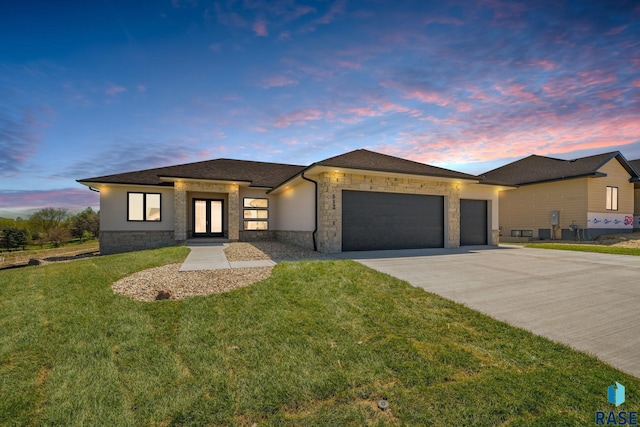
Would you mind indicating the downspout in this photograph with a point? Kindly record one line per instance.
(315, 230)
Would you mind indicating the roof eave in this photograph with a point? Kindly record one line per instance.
(127, 184)
(542, 181)
(213, 181)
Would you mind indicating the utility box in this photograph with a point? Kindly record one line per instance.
(555, 217)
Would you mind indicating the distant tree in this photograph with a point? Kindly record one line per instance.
(85, 225)
(58, 236)
(13, 238)
(51, 224)
(48, 218)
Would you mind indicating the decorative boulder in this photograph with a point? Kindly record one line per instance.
(163, 295)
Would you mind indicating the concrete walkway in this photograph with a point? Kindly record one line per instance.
(210, 256)
(588, 301)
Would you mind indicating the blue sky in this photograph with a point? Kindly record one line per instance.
(100, 87)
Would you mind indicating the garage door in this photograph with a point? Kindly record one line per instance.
(473, 222)
(376, 221)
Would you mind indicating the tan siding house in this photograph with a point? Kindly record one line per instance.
(636, 197)
(565, 199)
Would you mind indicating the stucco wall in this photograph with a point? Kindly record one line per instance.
(331, 185)
(296, 208)
(113, 209)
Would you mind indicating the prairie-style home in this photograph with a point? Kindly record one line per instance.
(361, 200)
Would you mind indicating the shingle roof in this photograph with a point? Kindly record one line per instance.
(535, 169)
(635, 164)
(259, 174)
(369, 160)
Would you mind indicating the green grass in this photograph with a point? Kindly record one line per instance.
(318, 343)
(586, 248)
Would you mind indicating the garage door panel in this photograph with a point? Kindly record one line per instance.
(473, 222)
(376, 221)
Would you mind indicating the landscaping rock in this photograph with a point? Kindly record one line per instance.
(163, 295)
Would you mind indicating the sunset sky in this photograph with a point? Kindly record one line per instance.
(100, 87)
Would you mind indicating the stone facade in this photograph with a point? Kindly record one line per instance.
(113, 242)
(181, 188)
(300, 238)
(331, 184)
(257, 235)
(495, 237)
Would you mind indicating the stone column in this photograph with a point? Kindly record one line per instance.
(180, 211)
(234, 212)
(495, 237)
(453, 200)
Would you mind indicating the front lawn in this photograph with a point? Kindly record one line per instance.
(586, 248)
(318, 343)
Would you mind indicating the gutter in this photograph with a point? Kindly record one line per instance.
(315, 230)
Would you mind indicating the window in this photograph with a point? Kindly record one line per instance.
(256, 214)
(521, 233)
(143, 206)
(612, 198)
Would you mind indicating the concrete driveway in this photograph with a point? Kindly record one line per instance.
(586, 300)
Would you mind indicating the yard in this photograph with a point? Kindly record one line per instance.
(317, 343)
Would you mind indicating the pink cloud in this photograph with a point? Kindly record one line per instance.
(70, 198)
(428, 97)
(278, 81)
(636, 83)
(285, 35)
(298, 117)
(596, 77)
(517, 91)
(609, 94)
(349, 64)
(545, 64)
(260, 28)
(616, 30)
(365, 112)
(481, 138)
(463, 106)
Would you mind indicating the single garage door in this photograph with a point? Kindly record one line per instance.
(473, 222)
(377, 221)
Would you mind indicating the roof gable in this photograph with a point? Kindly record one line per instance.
(370, 160)
(258, 174)
(536, 169)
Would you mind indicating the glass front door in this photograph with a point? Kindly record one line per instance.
(207, 217)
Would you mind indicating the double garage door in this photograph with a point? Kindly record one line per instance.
(378, 221)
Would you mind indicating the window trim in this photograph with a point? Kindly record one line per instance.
(144, 207)
(611, 202)
(245, 208)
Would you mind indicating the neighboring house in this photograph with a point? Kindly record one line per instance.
(360, 200)
(636, 196)
(565, 199)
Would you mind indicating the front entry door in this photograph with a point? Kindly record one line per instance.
(207, 217)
